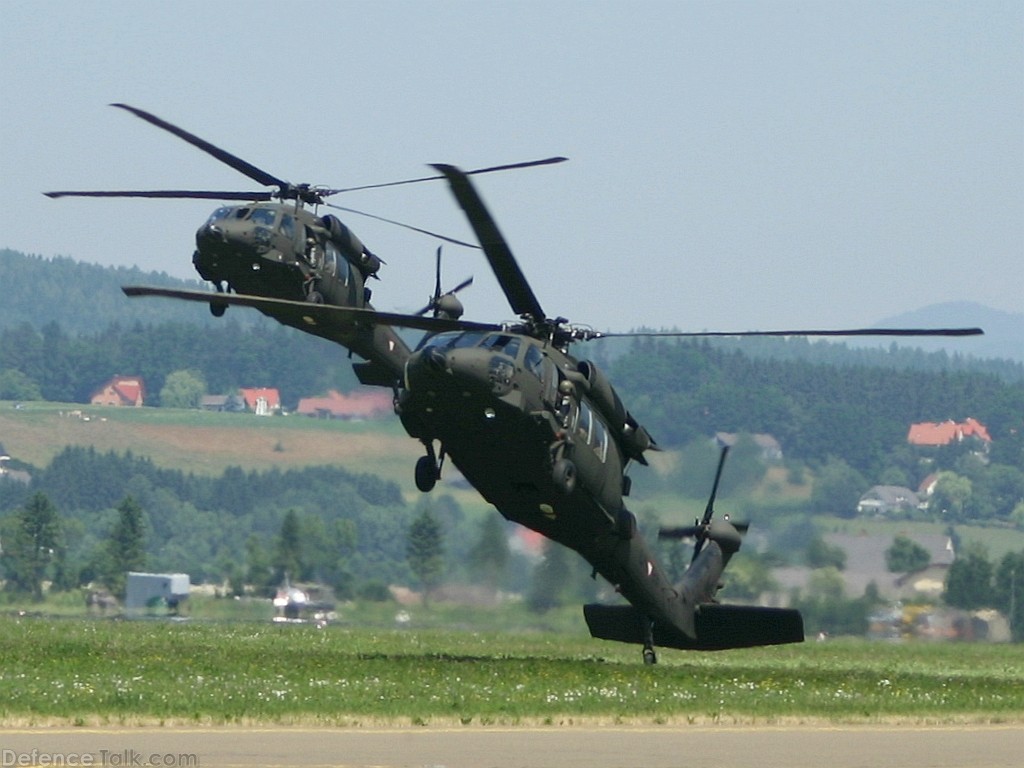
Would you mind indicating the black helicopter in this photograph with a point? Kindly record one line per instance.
(274, 244)
(545, 438)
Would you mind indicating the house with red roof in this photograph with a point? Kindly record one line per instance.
(121, 391)
(359, 404)
(931, 434)
(263, 401)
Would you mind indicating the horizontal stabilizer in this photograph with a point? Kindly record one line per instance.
(373, 374)
(718, 627)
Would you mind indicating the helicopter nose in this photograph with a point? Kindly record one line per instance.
(435, 358)
(210, 234)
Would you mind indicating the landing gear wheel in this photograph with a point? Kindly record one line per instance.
(315, 297)
(217, 309)
(650, 657)
(564, 476)
(426, 474)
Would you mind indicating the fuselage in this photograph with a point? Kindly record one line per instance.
(280, 251)
(507, 408)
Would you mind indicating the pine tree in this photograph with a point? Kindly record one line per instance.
(125, 550)
(488, 559)
(36, 544)
(425, 552)
(550, 579)
(969, 581)
(288, 563)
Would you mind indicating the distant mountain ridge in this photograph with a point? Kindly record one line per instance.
(1004, 331)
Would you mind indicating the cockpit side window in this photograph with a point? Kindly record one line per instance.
(534, 361)
(288, 226)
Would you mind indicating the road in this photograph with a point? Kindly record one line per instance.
(549, 747)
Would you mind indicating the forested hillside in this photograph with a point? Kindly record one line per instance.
(861, 414)
(50, 364)
(85, 298)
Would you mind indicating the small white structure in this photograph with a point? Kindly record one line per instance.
(156, 590)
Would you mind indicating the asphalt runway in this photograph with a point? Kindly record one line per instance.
(549, 747)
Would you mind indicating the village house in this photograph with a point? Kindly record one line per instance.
(885, 500)
(931, 434)
(121, 391)
(866, 564)
(262, 401)
(359, 404)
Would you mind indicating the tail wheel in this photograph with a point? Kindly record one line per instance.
(564, 476)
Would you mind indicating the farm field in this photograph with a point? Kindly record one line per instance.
(202, 442)
(102, 672)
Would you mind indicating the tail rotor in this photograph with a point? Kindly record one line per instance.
(445, 305)
(705, 529)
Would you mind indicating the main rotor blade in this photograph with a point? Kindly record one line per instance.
(313, 313)
(170, 193)
(405, 226)
(240, 165)
(511, 278)
(803, 332)
(492, 169)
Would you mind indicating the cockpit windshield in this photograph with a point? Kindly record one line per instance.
(264, 216)
(453, 339)
(221, 213)
(503, 343)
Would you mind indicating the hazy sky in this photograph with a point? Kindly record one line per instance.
(733, 165)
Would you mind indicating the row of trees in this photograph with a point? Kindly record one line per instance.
(349, 530)
(37, 538)
(35, 550)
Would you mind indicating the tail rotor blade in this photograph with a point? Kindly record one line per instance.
(709, 510)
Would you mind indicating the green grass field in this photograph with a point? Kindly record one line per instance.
(94, 672)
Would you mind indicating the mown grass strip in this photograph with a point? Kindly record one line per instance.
(71, 671)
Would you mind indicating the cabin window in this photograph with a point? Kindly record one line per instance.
(331, 260)
(583, 423)
(265, 216)
(599, 440)
(591, 429)
(550, 379)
